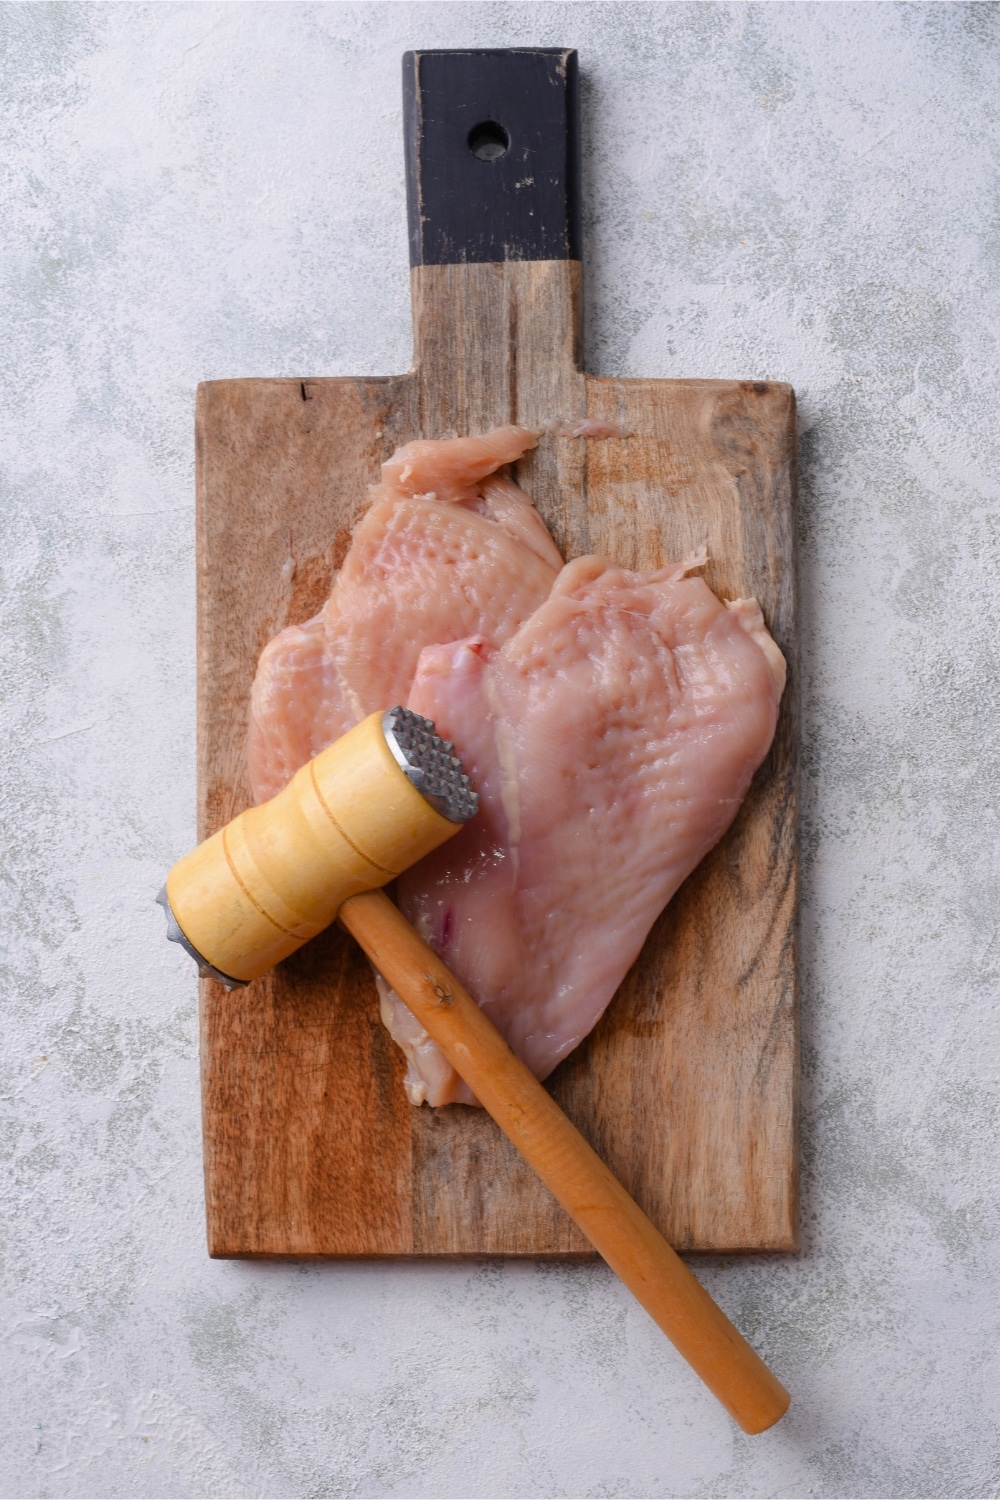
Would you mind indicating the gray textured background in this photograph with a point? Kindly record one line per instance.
(803, 192)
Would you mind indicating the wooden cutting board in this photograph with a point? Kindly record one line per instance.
(688, 1086)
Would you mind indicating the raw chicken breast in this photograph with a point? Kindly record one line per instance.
(612, 740)
(448, 548)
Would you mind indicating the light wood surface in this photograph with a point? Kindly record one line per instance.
(687, 1088)
(569, 1167)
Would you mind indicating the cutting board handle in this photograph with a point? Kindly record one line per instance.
(492, 172)
(492, 155)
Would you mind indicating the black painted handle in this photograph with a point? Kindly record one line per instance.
(492, 155)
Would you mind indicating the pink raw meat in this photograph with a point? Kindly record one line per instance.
(612, 740)
(448, 548)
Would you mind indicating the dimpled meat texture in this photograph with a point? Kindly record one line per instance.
(448, 548)
(612, 740)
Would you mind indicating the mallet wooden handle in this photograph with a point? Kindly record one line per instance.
(615, 1225)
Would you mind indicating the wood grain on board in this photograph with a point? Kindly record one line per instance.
(688, 1085)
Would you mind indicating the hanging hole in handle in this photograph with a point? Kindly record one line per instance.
(488, 141)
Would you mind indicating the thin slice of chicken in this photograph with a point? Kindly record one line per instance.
(448, 548)
(612, 740)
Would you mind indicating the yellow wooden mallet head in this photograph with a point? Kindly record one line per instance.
(352, 819)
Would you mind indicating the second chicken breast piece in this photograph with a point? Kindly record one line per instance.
(612, 740)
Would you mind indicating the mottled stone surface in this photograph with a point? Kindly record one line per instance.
(803, 192)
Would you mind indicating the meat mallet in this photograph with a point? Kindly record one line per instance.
(351, 820)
